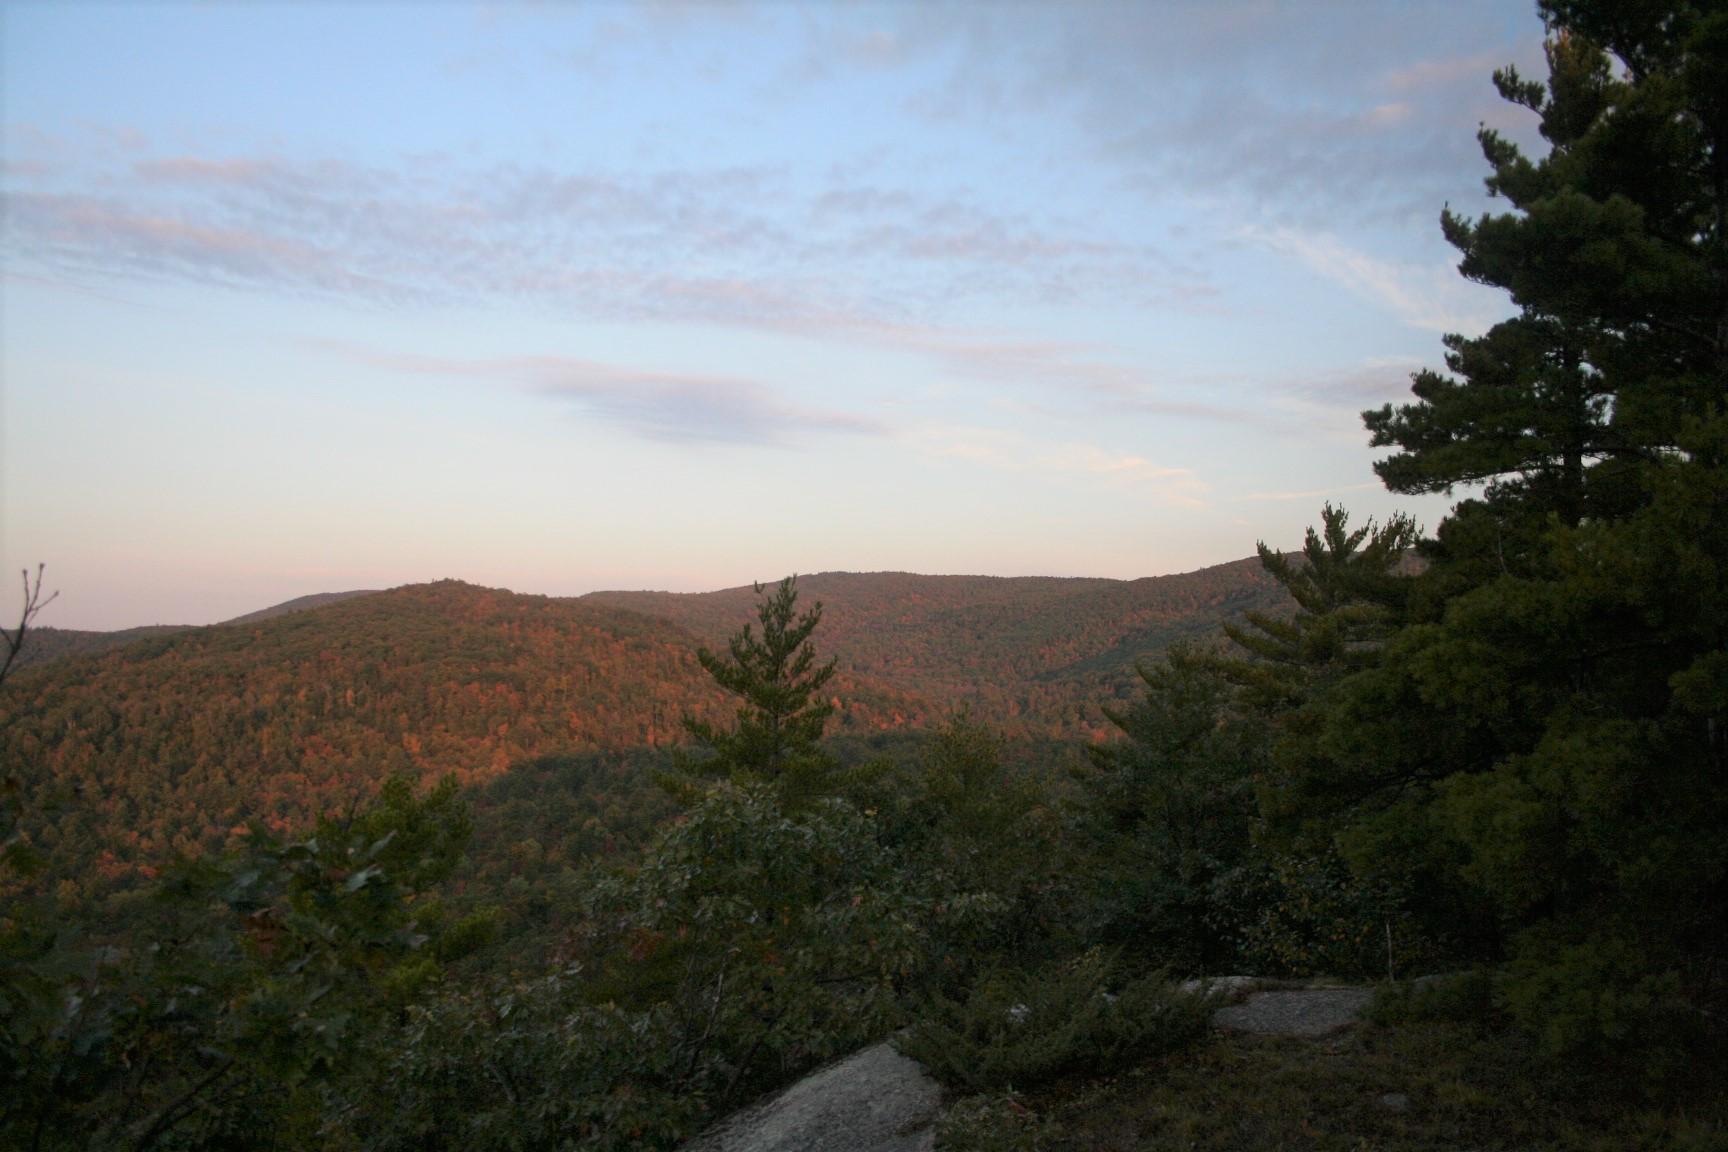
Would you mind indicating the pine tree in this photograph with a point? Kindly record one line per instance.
(781, 713)
(1351, 590)
(1349, 594)
(1548, 733)
(1613, 254)
(1172, 805)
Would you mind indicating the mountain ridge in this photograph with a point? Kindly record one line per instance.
(47, 643)
(171, 742)
(79, 641)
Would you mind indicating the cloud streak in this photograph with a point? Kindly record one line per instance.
(708, 247)
(670, 407)
(1309, 494)
(734, 245)
(739, 247)
(1287, 110)
(1012, 451)
(1430, 297)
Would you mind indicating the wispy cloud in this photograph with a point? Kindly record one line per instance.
(1329, 404)
(1373, 382)
(196, 170)
(87, 234)
(733, 245)
(1308, 494)
(656, 405)
(1442, 71)
(1079, 371)
(1432, 297)
(1287, 110)
(1013, 451)
(850, 260)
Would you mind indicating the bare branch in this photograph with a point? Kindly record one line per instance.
(33, 604)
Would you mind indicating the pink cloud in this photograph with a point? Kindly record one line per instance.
(657, 405)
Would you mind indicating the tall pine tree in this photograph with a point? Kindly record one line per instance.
(1549, 732)
(1349, 591)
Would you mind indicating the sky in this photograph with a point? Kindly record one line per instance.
(567, 296)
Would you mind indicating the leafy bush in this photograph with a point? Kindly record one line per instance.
(749, 943)
(1459, 997)
(984, 845)
(997, 1123)
(532, 1066)
(777, 938)
(1600, 1004)
(268, 979)
(1309, 916)
(1020, 1029)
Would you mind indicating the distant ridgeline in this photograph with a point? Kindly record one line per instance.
(142, 744)
(54, 643)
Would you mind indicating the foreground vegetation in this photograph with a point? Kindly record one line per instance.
(1501, 749)
(1400, 1085)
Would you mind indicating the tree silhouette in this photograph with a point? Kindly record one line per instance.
(781, 715)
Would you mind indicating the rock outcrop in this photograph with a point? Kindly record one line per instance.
(875, 1100)
(1295, 1011)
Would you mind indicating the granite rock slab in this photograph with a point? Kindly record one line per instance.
(875, 1100)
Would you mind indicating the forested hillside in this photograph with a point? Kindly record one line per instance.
(299, 604)
(174, 742)
(49, 644)
(1035, 654)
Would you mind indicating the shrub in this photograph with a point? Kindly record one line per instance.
(1020, 1029)
(996, 1123)
(1602, 1004)
(1309, 916)
(1459, 997)
(532, 1066)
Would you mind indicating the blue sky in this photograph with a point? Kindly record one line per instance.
(559, 297)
